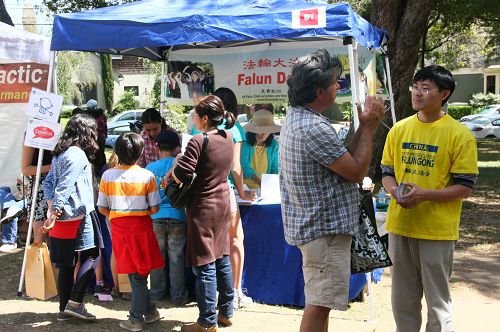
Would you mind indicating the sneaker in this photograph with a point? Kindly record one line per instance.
(224, 321)
(196, 327)
(62, 316)
(8, 247)
(236, 300)
(131, 325)
(79, 312)
(99, 289)
(115, 292)
(126, 296)
(152, 317)
(243, 299)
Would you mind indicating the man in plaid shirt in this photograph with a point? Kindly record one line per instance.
(318, 177)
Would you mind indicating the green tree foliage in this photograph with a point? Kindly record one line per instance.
(64, 6)
(461, 33)
(175, 117)
(481, 100)
(67, 64)
(126, 102)
(107, 80)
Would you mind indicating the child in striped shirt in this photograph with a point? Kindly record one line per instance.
(128, 196)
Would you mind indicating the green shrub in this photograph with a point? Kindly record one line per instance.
(481, 100)
(175, 117)
(346, 109)
(66, 113)
(107, 79)
(456, 112)
(126, 102)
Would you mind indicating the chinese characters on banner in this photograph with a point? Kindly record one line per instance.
(256, 74)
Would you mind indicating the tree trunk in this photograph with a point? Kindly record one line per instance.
(405, 22)
(424, 47)
(4, 16)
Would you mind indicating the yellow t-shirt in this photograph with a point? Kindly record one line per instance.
(428, 154)
(259, 164)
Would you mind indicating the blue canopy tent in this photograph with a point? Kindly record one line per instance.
(156, 28)
(151, 28)
(159, 29)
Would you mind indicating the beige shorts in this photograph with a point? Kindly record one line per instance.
(232, 201)
(326, 263)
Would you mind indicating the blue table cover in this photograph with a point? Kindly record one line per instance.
(272, 272)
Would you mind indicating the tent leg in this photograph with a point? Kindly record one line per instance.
(370, 297)
(162, 87)
(389, 86)
(30, 224)
(353, 70)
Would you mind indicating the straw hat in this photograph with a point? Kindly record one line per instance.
(262, 122)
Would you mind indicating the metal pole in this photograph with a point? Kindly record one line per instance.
(389, 86)
(370, 297)
(35, 188)
(354, 83)
(162, 87)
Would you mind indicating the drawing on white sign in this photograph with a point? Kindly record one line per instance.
(44, 105)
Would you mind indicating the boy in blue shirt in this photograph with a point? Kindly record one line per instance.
(169, 226)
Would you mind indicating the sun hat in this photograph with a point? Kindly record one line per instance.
(92, 103)
(262, 122)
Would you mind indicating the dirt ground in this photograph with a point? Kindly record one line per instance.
(475, 305)
(475, 285)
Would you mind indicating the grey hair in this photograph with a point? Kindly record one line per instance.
(309, 73)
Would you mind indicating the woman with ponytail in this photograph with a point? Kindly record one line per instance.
(209, 213)
(237, 255)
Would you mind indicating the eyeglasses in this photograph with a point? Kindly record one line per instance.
(425, 91)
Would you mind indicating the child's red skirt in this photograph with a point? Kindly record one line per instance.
(135, 246)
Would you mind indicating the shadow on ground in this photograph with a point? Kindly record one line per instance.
(28, 321)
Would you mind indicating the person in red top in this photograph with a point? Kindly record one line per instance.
(128, 196)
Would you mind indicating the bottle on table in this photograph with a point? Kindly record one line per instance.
(382, 195)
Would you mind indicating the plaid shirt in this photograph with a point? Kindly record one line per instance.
(315, 201)
(150, 153)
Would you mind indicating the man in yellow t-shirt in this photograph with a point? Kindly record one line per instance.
(436, 157)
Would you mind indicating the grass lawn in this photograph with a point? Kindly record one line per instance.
(480, 222)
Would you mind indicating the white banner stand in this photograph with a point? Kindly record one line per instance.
(35, 188)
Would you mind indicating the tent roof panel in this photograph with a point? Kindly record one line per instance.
(159, 25)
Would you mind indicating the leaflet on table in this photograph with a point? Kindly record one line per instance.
(270, 188)
(245, 202)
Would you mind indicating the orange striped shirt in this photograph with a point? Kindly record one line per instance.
(128, 191)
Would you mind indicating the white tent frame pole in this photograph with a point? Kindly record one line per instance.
(370, 297)
(353, 70)
(162, 87)
(37, 183)
(389, 86)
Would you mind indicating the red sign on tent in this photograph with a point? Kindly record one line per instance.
(309, 17)
(17, 80)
